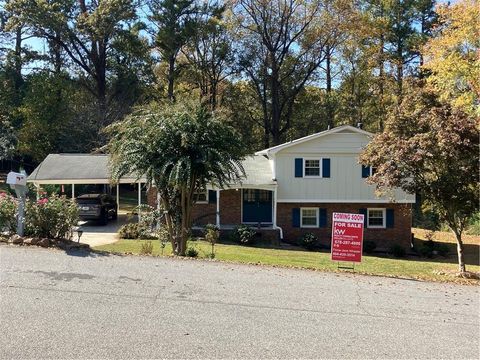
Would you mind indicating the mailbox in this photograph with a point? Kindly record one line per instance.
(18, 182)
(16, 179)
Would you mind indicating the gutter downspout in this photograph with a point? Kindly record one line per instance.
(275, 226)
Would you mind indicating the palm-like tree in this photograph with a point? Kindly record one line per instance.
(180, 148)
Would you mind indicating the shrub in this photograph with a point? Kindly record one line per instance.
(131, 231)
(212, 234)
(244, 235)
(425, 250)
(398, 251)
(191, 252)
(369, 246)
(474, 224)
(442, 249)
(146, 247)
(163, 236)
(308, 241)
(52, 217)
(8, 212)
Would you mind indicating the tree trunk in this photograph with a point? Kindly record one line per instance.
(328, 71)
(275, 109)
(461, 260)
(171, 77)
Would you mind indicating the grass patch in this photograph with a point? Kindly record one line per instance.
(373, 265)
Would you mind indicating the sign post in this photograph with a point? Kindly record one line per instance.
(347, 237)
(18, 182)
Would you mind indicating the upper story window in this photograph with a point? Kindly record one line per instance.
(367, 171)
(376, 218)
(312, 167)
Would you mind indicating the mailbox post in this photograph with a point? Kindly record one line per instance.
(18, 182)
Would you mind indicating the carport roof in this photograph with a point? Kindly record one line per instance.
(75, 169)
(94, 169)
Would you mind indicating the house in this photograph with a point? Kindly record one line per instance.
(294, 188)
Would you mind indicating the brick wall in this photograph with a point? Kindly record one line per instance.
(400, 233)
(230, 214)
(230, 208)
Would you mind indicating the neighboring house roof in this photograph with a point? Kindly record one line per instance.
(75, 169)
(275, 149)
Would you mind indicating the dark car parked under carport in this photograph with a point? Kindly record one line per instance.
(100, 207)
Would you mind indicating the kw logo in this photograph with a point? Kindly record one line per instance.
(339, 231)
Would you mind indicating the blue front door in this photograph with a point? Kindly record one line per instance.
(257, 206)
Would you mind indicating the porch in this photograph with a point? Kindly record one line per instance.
(229, 208)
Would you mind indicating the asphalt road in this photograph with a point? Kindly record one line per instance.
(55, 305)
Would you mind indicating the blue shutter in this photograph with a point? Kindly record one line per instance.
(365, 171)
(322, 217)
(365, 219)
(326, 168)
(212, 196)
(296, 217)
(298, 167)
(390, 218)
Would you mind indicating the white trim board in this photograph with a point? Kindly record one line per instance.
(355, 201)
(275, 149)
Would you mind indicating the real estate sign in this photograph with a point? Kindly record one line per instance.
(347, 237)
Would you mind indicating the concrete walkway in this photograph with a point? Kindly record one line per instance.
(96, 235)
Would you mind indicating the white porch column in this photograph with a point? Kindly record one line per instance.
(274, 208)
(139, 200)
(118, 197)
(73, 191)
(218, 209)
(37, 186)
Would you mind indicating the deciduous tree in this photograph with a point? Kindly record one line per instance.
(452, 56)
(430, 148)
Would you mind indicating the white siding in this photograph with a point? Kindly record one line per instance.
(345, 183)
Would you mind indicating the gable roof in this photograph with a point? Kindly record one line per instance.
(76, 169)
(277, 148)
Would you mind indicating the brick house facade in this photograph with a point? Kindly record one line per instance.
(294, 188)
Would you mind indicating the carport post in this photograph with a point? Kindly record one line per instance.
(73, 191)
(118, 198)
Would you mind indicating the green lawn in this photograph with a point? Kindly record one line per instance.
(413, 268)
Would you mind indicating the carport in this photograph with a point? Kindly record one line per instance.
(84, 169)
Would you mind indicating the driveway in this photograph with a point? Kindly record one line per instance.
(54, 305)
(96, 235)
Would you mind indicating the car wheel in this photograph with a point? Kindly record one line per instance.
(104, 218)
(115, 215)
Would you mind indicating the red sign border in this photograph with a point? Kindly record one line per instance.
(361, 238)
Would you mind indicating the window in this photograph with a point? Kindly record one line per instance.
(312, 167)
(376, 218)
(368, 171)
(200, 197)
(249, 195)
(309, 218)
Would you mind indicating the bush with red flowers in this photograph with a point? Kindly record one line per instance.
(52, 217)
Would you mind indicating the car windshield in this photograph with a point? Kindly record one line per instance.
(88, 201)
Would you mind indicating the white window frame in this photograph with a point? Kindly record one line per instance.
(320, 168)
(384, 212)
(202, 201)
(316, 217)
(370, 170)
